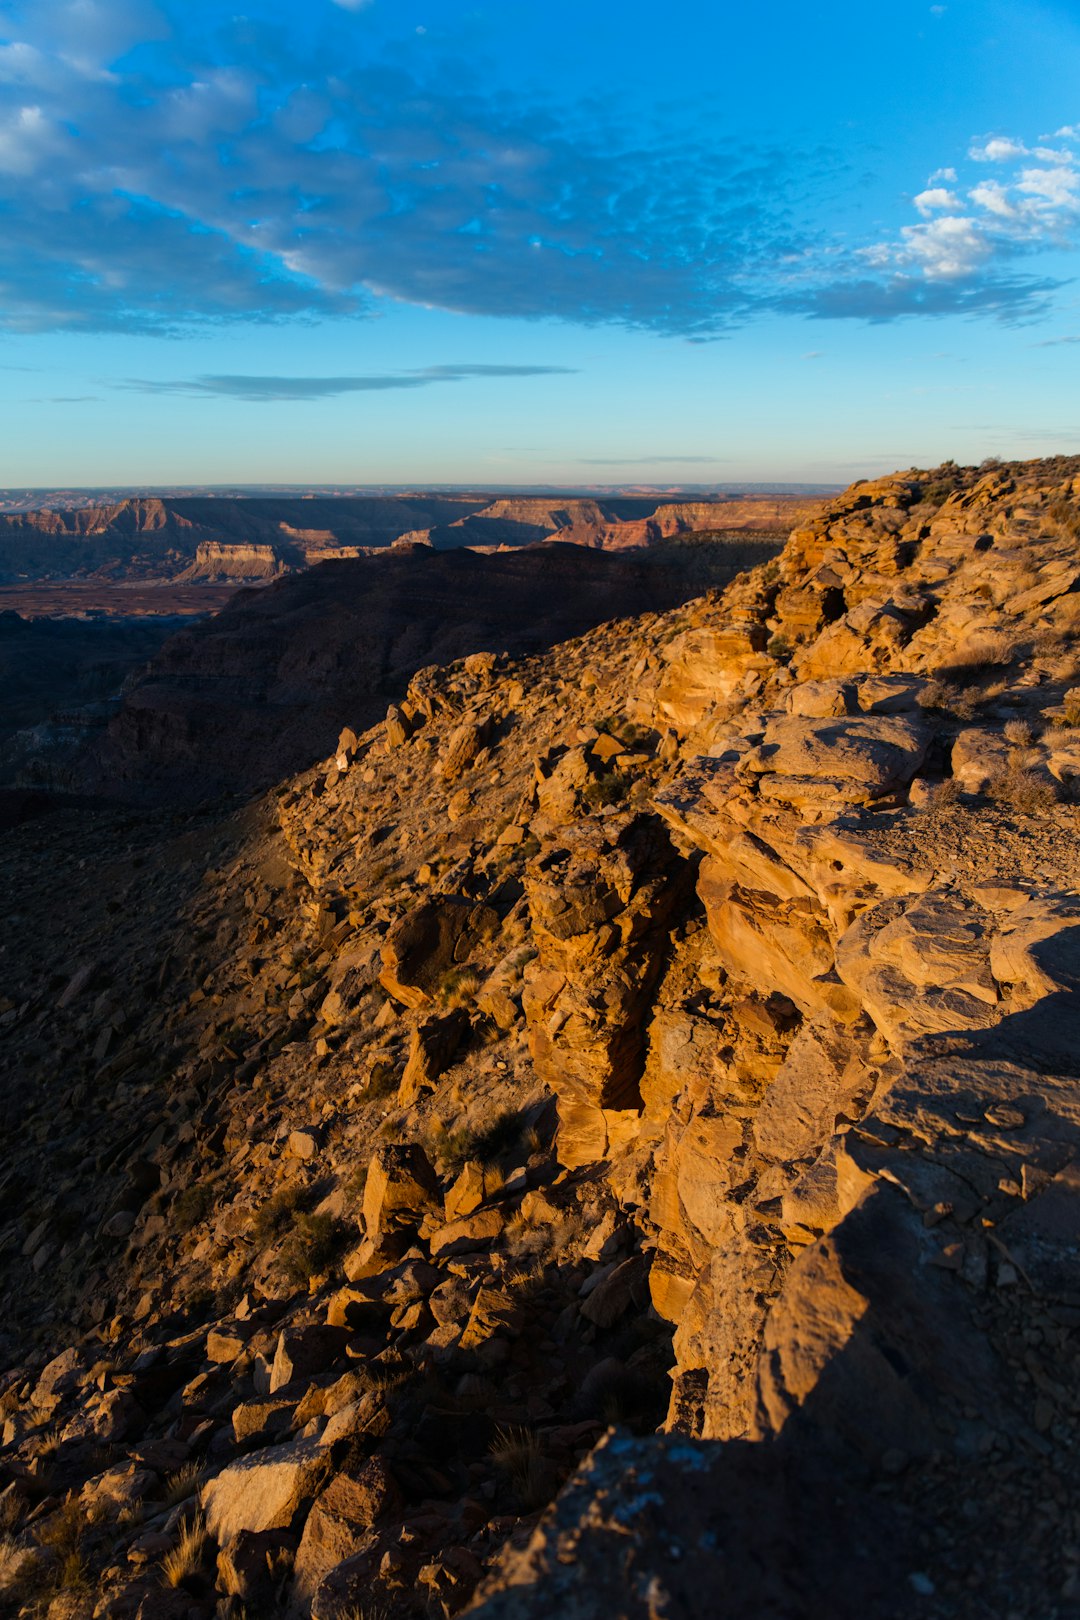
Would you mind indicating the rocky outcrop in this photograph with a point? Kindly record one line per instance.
(673, 1031)
(262, 688)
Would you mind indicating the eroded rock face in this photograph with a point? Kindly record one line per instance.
(601, 906)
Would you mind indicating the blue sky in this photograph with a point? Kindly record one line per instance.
(511, 243)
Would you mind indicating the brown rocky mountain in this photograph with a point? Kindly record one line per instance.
(237, 701)
(672, 1029)
(255, 538)
(150, 537)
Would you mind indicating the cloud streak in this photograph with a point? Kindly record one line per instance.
(268, 389)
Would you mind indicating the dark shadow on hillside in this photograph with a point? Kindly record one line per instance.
(233, 704)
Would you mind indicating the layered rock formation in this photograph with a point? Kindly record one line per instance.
(246, 562)
(255, 538)
(160, 537)
(675, 1028)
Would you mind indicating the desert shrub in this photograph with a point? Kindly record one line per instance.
(383, 1079)
(936, 694)
(778, 646)
(1021, 733)
(356, 1182)
(1069, 713)
(1048, 643)
(946, 793)
(610, 788)
(192, 1205)
(311, 1247)
(1023, 791)
(278, 1213)
(450, 1148)
(480, 1145)
(989, 649)
(1066, 514)
(504, 1132)
(948, 699)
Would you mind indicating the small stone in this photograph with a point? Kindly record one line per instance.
(1005, 1117)
(303, 1144)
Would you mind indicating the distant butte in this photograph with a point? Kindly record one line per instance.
(252, 539)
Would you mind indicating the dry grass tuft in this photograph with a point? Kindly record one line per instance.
(186, 1559)
(15, 1565)
(459, 986)
(183, 1484)
(519, 1457)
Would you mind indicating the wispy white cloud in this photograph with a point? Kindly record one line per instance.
(968, 234)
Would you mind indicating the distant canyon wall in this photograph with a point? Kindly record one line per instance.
(254, 539)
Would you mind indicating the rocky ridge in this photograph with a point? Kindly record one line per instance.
(239, 701)
(188, 538)
(675, 1028)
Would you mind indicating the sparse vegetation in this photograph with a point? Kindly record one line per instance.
(609, 788)
(182, 1484)
(311, 1247)
(989, 649)
(459, 985)
(16, 1564)
(64, 1534)
(1021, 733)
(277, 1214)
(192, 1205)
(1066, 514)
(519, 1457)
(1068, 715)
(1023, 790)
(477, 1144)
(180, 1566)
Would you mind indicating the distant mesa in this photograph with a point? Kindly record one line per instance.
(250, 540)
